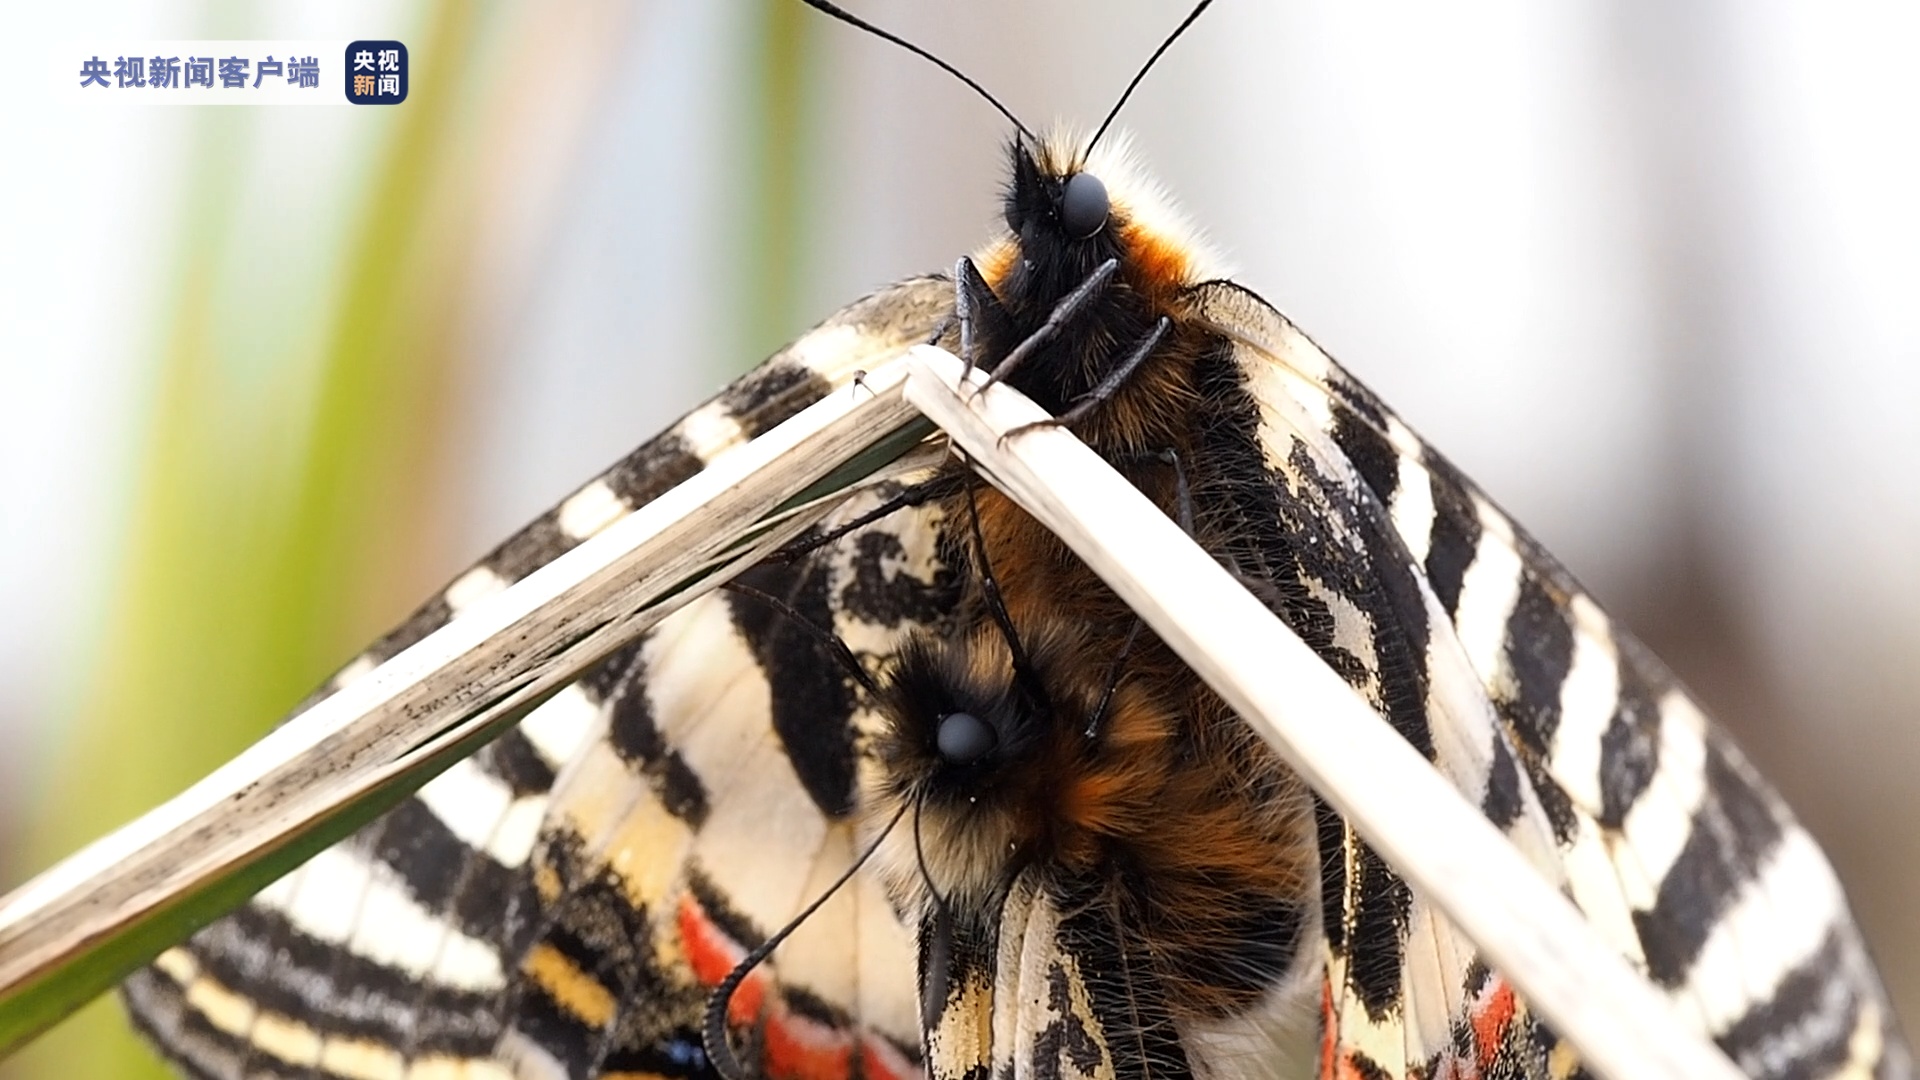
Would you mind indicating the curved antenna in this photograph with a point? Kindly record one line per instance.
(833, 642)
(920, 856)
(939, 950)
(1142, 73)
(713, 1033)
(856, 21)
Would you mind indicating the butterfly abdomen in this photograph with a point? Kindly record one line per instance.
(1132, 795)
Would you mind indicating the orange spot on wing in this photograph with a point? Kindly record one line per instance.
(1328, 1038)
(799, 1048)
(710, 950)
(1491, 1020)
(747, 1000)
(712, 953)
(880, 1061)
(793, 1047)
(1337, 1062)
(575, 990)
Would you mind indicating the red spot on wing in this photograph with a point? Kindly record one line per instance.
(793, 1046)
(711, 951)
(1337, 1062)
(1492, 1016)
(713, 954)
(1328, 1025)
(801, 1048)
(880, 1060)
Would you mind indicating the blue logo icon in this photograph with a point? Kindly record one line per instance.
(376, 73)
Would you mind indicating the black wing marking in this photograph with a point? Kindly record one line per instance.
(396, 947)
(1668, 839)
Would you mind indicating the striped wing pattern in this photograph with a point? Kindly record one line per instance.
(650, 893)
(1596, 763)
(593, 854)
(560, 904)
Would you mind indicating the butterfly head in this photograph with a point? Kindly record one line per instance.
(1067, 210)
(1006, 772)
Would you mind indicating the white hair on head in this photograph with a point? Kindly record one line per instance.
(1134, 193)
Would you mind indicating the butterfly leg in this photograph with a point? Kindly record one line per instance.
(1063, 312)
(1182, 491)
(1259, 585)
(1086, 403)
(1115, 671)
(1023, 670)
(1116, 378)
(1183, 514)
(973, 304)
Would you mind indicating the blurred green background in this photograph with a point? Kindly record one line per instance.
(272, 374)
(308, 360)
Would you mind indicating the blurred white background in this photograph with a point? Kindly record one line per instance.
(1648, 272)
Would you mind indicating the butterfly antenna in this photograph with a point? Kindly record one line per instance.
(997, 607)
(938, 949)
(824, 636)
(920, 856)
(713, 1033)
(1144, 68)
(856, 21)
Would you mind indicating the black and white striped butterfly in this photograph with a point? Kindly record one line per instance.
(1107, 877)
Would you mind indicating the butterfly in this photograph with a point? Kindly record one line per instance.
(1094, 870)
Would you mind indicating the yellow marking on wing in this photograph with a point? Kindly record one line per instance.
(362, 1059)
(962, 1037)
(546, 882)
(296, 1043)
(591, 509)
(1080, 1004)
(669, 951)
(447, 1068)
(1867, 1045)
(1562, 1061)
(575, 990)
(178, 964)
(647, 852)
(286, 1038)
(598, 790)
(365, 1059)
(224, 1009)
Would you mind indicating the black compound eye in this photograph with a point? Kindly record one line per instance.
(965, 738)
(1083, 205)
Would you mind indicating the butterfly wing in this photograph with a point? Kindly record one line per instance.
(544, 872)
(559, 904)
(1571, 737)
(710, 804)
